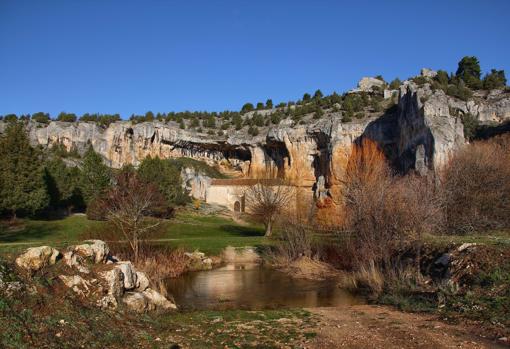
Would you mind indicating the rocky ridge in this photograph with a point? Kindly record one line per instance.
(418, 134)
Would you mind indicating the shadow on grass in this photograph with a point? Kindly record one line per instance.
(24, 232)
(237, 230)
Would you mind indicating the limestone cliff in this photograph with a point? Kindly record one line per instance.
(418, 133)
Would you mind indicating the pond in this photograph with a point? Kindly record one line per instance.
(251, 286)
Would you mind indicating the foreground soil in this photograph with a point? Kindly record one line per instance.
(370, 326)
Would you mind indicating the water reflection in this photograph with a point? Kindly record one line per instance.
(251, 286)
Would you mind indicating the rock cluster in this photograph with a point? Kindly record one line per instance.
(98, 276)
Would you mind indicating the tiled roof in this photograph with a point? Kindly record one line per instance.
(245, 181)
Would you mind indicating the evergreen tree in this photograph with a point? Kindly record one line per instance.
(41, 117)
(10, 118)
(63, 184)
(247, 107)
(395, 84)
(306, 97)
(318, 94)
(66, 117)
(269, 104)
(494, 80)
(166, 177)
(95, 176)
(22, 187)
(469, 71)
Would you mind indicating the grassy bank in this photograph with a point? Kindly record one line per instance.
(56, 319)
(475, 287)
(190, 230)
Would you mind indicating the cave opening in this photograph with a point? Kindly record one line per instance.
(277, 153)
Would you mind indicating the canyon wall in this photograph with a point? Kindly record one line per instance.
(418, 134)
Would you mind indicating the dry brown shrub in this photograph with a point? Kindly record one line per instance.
(476, 186)
(294, 240)
(159, 262)
(385, 213)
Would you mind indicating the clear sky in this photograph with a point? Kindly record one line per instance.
(131, 56)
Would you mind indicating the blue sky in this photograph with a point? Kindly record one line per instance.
(131, 56)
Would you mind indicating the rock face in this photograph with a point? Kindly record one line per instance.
(419, 134)
(367, 84)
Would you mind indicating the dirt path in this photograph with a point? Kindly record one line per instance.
(368, 326)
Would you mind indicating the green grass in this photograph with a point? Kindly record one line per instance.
(497, 237)
(190, 230)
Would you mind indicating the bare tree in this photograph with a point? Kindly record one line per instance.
(129, 205)
(266, 199)
(385, 212)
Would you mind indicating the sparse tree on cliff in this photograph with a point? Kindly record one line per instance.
(22, 187)
(469, 71)
(267, 199)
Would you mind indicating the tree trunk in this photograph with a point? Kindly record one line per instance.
(269, 228)
(135, 244)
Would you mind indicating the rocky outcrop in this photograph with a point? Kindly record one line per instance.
(100, 279)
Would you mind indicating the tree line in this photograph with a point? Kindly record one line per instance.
(461, 84)
(41, 182)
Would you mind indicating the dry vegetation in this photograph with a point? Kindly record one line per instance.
(476, 187)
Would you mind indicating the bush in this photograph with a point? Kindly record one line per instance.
(476, 187)
(494, 80)
(471, 125)
(253, 131)
(384, 213)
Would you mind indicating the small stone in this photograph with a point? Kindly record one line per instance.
(466, 246)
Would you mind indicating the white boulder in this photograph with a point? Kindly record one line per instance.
(75, 260)
(36, 258)
(76, 283)
(97, 250)
(142, 281)
(158, 300)
(367, 84)
(129, 274)
(114, 279)
(135, 301)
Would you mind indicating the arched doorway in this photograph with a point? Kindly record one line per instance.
(237, 206)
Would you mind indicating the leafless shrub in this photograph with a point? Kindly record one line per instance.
(476, 186)
(159, 262)
(266, 199)
(294, 241)
(129, 205)
(385, 213)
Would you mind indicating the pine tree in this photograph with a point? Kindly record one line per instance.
(63, 184)
(95, 175)
(22, 187)
(166, 177)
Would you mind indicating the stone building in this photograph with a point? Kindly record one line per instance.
(231, 193)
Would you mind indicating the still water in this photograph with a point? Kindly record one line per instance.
(252, 286)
